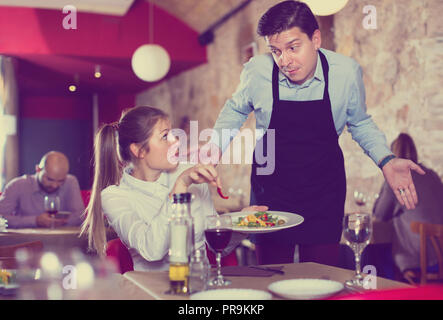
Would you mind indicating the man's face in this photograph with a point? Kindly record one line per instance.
(50, 180)
(294, 53)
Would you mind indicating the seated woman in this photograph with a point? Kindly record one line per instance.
(133, 180)
(406, 244)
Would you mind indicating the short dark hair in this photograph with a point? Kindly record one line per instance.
(286, 15)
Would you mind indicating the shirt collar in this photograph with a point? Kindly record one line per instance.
(318, 75)
(37, 189)
(157, 188)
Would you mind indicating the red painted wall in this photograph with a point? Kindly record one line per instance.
(111, 106)
(56, 107)
(39, 31)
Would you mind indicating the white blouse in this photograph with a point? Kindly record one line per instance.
(139, 211)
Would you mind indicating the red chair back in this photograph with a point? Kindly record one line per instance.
(86, 195)
(117, 252)
(229, 260)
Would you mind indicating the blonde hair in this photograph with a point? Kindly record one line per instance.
(111, 154)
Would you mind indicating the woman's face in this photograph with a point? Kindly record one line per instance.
(161, 145)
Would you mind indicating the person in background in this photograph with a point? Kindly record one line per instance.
(406, 244)
(22, 201)
(134, 179)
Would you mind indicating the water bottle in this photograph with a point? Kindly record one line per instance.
(199, 270)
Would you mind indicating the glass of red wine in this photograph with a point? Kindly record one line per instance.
(218, 232)
(357, 230)
(52, 205)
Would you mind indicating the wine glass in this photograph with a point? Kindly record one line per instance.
(357, 230)
(218, 232)
(52, 205)
(360, 198)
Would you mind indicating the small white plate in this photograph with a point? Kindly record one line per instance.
(291, 220)
(232, 294)
(305, 289)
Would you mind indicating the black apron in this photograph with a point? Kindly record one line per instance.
(309, 177)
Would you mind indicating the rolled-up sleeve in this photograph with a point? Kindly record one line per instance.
(234, 113)
(361, 126)
(149, 236)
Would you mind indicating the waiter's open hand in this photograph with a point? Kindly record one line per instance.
(397, 173)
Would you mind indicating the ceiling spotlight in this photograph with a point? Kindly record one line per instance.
(73, 86)
(97, 72)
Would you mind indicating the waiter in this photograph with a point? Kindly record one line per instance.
(307, 95)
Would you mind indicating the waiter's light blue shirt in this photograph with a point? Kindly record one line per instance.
(346, 92)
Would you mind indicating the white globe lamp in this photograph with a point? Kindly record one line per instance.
(150, 62)
(325, 7)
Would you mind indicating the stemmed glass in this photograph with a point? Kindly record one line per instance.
(360, 198)
(357, 230)
(218, 232)
(52, 205)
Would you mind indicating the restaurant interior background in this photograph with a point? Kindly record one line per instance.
(39, 60)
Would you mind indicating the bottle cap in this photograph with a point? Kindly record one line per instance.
(182, 197)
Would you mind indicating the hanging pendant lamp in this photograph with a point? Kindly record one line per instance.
(150, 62)
(325, 8)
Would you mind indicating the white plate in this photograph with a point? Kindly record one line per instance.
(305, 289)
(291, 220)
(232, 294)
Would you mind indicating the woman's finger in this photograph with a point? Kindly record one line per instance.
(212, 170)
(194, 176)
(204, 172)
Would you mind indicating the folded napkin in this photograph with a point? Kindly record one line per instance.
(247, 271)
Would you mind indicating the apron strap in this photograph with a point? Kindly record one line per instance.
(325, 67)
(275, 84)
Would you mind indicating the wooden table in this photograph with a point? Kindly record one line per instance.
(138, 285)
(53, 239)
(155, 284)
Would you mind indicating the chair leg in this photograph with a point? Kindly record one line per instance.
(410, 276)
(423, 262)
